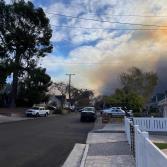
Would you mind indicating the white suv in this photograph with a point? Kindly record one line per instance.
(114, 111)
(37, 111)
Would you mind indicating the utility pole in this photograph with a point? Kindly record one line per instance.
(69, 88)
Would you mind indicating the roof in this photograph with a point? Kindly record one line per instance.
(158, 97)
(162, 102)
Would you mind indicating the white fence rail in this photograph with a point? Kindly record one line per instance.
(151, 124)
(147, 154)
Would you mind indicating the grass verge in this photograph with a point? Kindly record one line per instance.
(161, 145)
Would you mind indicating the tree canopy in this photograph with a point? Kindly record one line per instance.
(135, 80)
(80, 96)
(25, 35)
(139, 82)
(33, 87)
(137, 88)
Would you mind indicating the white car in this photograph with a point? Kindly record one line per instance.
(115, 112)
(37, 111)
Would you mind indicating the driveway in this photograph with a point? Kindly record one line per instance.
(42, 142)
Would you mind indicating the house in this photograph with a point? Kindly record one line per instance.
(162, 105)
(57, 101)
(159, 103)
(153, 104)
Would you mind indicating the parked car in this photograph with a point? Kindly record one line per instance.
(80, 110)
(88, 114)
(114, 112)
(37, 111)
(129, 113)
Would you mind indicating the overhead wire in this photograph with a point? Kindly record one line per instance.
(106, 21)
(118, 15)
(120, 29)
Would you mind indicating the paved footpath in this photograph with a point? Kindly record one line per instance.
(108, 149)
(106, 146)
(4, 119)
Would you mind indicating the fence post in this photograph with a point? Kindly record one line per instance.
(132, 139)
(129, 134)
(125, 122)
(127, 128)
(145, 136)
(137, 151)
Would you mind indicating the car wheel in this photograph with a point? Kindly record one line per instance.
(37, 115)
(81, 120)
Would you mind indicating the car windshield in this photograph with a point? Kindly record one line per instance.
(89, 109)
(35, 108)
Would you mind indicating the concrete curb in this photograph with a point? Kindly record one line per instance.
(84, 156)
(75, 157)
(108, 131)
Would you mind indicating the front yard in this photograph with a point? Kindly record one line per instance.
(161, 145)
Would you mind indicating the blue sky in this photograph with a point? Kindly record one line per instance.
(98, 56)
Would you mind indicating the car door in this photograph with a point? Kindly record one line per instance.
(120, 112)
(113, 111)
(41, 111)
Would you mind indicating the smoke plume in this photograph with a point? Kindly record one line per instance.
(145, 50)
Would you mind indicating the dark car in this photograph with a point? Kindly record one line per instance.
(88, 114)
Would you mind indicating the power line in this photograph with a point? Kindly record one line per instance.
(91, 63)
(106, 21)
(119, 29)
(132, 15)
(120, 15)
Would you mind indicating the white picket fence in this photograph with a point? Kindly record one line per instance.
(146, 153)
(127, 129)
(151, 124)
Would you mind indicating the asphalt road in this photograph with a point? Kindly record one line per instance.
(42, 142)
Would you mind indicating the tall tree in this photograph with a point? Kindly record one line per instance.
(139, 82)
(4, 72)
(131, 100)
(33, 87)
(82, 96)
(25, 35)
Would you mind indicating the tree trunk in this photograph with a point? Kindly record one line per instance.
(15, 80)
(14, 89)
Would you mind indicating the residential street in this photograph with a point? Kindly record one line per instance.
(42, 142)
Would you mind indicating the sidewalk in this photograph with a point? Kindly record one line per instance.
(4, 119)
(106, 147)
